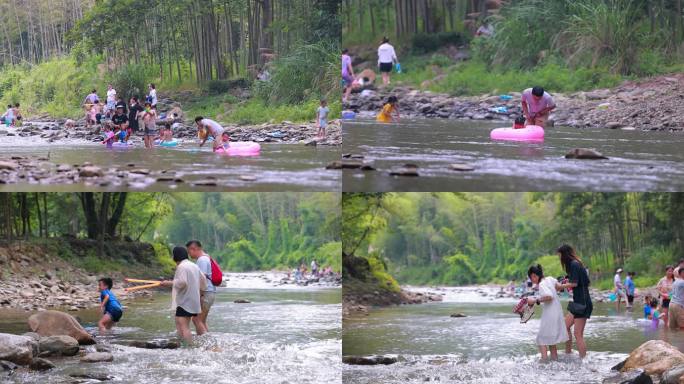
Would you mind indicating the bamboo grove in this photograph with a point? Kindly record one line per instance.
(482, 237)
(204, 39)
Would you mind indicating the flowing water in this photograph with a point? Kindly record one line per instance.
(292, 167)
(643, 161)
(286, 335)
(489, 345)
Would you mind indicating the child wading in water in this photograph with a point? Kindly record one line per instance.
(110, 306)
(552, 329)
(322, 118)
(389, 112)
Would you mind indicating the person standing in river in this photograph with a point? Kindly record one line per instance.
(347, 74)
(617, 288)
(676, 310)
(135, 111)
(552, 329)
(580, 307)
(203, 262)
(664, 288)
(186, 292)
(537, 105)
(386, 60)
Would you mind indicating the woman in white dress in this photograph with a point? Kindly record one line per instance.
(552, 329)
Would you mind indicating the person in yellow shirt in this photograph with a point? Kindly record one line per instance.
(390, 111)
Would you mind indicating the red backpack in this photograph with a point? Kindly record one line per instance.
(216, 274)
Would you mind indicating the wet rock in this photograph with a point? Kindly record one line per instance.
(613, 125)
(88, 376)
(654, 357)
(91, 171)
(673, 376)
(58, 345)
(241, 301)
(97, 357)
(369, 360)
(636, 376)
(409, 170)
(457, 315)
(204, 183)
(103, 348)
(51, 323)
(41, 364)
(7, 366)
(8, 165)
(141, 171)
(461, 167)
(153, 344)
(247, 178)
(584, 154)
(16, 349)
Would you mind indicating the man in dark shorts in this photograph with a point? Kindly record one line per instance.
(187, 286)
(120, 120)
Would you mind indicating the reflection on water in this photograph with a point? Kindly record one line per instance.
(638, 160)
(283, 336)
(279, 166)
(487, 346)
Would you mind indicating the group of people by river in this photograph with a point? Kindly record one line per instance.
(192, 292)
(667, 305)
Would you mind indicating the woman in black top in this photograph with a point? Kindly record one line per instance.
(134, 110)
(579, 283)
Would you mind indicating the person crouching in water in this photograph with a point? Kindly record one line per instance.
(537, 106)
(109, 305)
(552, 329)
(389, 112)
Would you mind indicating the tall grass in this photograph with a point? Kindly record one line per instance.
(309, 71)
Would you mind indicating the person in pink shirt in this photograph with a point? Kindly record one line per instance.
(537, 106)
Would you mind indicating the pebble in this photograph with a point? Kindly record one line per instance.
(461, 167)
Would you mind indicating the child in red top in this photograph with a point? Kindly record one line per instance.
(519, 122)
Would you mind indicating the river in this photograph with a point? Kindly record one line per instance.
(285, 335)
(292, 167)
(488, 346)
(639, 161)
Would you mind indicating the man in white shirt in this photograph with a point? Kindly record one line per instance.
(386, 60)
(186, 288)
(617, 284)
(203, 262)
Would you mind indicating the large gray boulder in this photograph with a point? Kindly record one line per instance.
(58, 345)
(16, 349)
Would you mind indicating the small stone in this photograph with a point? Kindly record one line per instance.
(8, 165)
(583, 153)
(247, 178)
(461, 167)
(91, 171)
(41, 364)
(241, 301)
(457, 315)
(369, 360)
(97, 357)
(410, 170)
(613, 125)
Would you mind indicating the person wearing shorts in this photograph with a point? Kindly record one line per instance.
(578, 281)
(664, 287)
(203, 262)
(210, 128)
(347, 74)
(386, 59)
(150, 123)
(187, 285)
(676, 305)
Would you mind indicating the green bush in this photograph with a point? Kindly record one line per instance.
(216, 87)
(131, 80)
(429, 42)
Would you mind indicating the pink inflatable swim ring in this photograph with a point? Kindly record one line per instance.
(529, 133)
(241, 148)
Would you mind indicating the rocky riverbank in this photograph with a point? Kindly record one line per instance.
(35, 279)
(648, 104)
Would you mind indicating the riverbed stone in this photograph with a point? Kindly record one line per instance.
(8, 165)
(241, 301)
(91, 171)
(410, 170)
(97, 357)
(585, 154)
(16, 349)
(51, 323)
(457, 315)
(635, 376)
(654, 357)
(461, 167)
(58, 345)
(673, 375)
(153, 344)
(369, 360)
(41, 364)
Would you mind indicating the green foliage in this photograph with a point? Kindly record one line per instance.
(454, 239)
(131, 80)
(307, 72)
(422, 43)
(257, 112)
(379, 272)
(217, 87)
